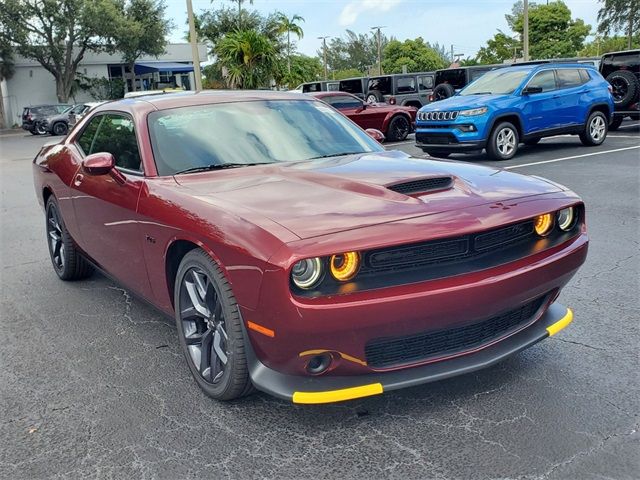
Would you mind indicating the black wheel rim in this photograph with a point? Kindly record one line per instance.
(203, 325)
(400, 128)
(619, 87)
(54, 235)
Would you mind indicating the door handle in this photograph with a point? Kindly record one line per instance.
(78, 179)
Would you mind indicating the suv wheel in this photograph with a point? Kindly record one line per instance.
(503, 141)
(442, 91)
(595, 130)
(40, 130)
(59, 128)
(625, 87)
(374, 96)
(617, 121)
(398, 129)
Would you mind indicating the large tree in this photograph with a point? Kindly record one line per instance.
(288, 26)
(620, 15)
(415, 55)
(499, 48)
(302, 69)
(601, 45)
(354, 51)
(142, 30)
(58, 33)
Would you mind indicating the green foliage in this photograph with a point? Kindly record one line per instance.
(303, 69)
(57, 33)
(500, 47)
(619, 15)
(287, 26)
(249, 58)
(346, 73)
(552, 31)
(469, 62)
(357, 51)
(101, 88)
(7, 66)
(416, 55)
(602, 45)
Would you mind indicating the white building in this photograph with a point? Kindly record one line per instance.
(33, 85)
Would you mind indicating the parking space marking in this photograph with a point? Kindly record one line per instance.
(623, 136)
(630, 125)
(571, 157)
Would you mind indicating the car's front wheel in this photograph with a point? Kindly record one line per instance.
(40, 130)
(503, 142)
(60, 128)
(595, 131)
(398, 129)
(68, 262)
(210, 328)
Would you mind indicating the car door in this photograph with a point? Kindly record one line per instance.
(539, 109)
(105, 205)
(569, 92)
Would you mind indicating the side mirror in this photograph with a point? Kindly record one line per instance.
(99, 163)
(376, 134)
(532, 90)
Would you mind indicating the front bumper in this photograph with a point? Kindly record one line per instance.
(448, 140)
(328, 389)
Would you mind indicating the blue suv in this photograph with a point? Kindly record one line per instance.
(507, 106)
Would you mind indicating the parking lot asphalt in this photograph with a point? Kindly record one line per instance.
(93, 383)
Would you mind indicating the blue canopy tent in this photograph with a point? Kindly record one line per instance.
(154, 75)
(150, 67)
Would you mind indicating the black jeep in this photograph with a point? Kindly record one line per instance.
(449, 80)
(622, 71)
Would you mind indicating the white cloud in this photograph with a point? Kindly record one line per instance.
(355, 8)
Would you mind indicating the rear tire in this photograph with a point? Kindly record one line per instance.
(617, 121)
(208, 317)
(40, 130)
(375, 96)
(398, 128)
(67, 261)
(503, 141)
(442, 91)
(595, 130)
(625, 87)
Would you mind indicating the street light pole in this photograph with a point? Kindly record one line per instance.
(193, 39)
(379, 48)
(525, 34)
(324, 55)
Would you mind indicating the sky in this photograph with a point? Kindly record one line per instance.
(465, 24)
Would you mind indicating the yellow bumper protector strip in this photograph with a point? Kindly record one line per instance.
(337, 395)
(561, 324)
(343, 355)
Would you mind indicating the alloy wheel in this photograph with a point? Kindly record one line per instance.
(619, 87)
(506, 141)
(597, 128)
(54, 234)
(203, 325)
(400, 129)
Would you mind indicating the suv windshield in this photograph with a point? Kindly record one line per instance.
(497, 82)
(244, 133)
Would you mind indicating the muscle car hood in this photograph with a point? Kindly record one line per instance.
(314, 198)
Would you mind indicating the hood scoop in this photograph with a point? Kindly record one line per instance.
(421, 185)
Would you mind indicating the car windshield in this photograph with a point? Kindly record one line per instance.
(497, 82)
(253, 132)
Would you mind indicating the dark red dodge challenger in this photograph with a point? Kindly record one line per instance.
(296, 254)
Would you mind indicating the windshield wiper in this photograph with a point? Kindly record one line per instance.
(481, 93)
(340, 154)
(219, 166)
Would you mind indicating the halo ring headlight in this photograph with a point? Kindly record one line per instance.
(566, 218)
(306, 273)
(543, 224)
(344, 266)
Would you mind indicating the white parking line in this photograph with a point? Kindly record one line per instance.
(629, 125)
(570, 158)
(623, 136)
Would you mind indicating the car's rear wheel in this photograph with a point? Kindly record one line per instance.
(398, 129)
(625, 87)
(617, 121)
(59, 128)
(503, 141)
(210, 328)
(595, 131)
(68, 262)
(40, 130)
(442, 91)
(438, 154)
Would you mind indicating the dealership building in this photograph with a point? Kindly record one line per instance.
(31, 84)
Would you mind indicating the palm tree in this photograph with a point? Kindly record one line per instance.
(288, 25)
(248, 57)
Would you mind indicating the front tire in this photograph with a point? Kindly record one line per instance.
(40, 130)
(503, 142)
(60, 128)
(398, 128)
(210, 328)
(67, 261)
(595, 130)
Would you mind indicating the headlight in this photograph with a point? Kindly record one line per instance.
(543, 224)
(566, 218)
(306, 273)
(473, 112)
(344, 266)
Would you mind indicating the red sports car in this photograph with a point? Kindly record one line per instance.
(394, 121)
(296, 254)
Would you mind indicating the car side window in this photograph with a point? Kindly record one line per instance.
(116, 135)
(343, 101)
(425, 83)
(584, 75)
(86, 137)
(568, 77)
(545, 80)
(406, 85)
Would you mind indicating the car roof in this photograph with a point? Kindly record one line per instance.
(622, 52)
(182, 99)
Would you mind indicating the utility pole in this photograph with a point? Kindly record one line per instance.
(193, 39)
(525, 35)
(324, 55)
(379, 47)
(452, 53)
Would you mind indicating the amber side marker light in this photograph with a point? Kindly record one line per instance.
(543, 224)
(344, 266)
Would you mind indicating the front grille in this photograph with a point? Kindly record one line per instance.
(449, 250)
(422, 185)
(435, 116)
(388, 352)
(436, 138)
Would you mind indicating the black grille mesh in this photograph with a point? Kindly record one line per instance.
(422, 185)
(388, 352)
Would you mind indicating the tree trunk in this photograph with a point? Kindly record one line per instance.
(62, 89)
(2, 122)
(289, 52)
(132, 68)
